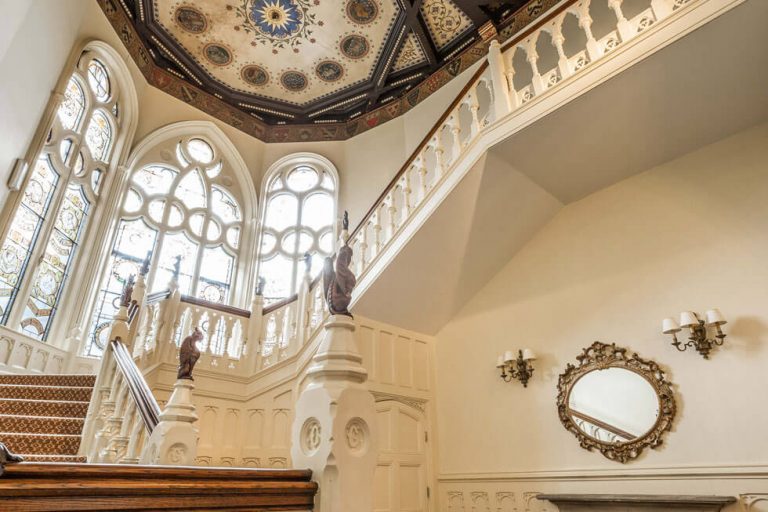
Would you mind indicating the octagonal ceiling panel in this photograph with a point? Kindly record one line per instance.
(299, 70)
(294, 51)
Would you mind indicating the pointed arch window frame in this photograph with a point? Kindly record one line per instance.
(283, 167)
(77, 170)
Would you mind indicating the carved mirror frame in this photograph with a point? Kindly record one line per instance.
(601, 356)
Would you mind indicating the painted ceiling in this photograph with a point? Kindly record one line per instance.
(286, 70)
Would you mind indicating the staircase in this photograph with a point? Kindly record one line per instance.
(41, 416)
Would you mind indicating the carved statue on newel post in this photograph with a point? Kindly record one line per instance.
(334, 428)
(7, 457)
(338, 284)
(189, 354)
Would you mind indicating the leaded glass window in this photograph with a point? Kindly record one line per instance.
(181, 209)
(50, 214)
(299, 217)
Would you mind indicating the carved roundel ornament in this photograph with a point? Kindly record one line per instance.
(357, 436)
(311, 436)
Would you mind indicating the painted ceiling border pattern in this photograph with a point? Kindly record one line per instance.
(250, 124)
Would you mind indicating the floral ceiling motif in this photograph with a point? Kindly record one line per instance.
(267, 66)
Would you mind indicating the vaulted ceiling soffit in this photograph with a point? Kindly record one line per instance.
(302, 70)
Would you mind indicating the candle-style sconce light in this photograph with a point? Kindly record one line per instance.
(699, 336)
(519, 368)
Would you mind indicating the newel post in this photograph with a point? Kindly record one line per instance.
(174, 440)
(255, 325)
(501, 101)
(334, 430)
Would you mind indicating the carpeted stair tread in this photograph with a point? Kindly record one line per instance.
(49, 380)
(45, 408)
(53, 458)
(56, 393)
(40, 425)
(41, 444)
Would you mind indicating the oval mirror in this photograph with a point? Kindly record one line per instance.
(615, 403)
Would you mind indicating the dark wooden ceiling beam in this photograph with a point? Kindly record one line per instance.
(472, 9)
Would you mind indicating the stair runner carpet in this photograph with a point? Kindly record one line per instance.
(41, 416)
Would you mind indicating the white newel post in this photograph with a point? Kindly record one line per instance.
(334, 428)
(174, 440)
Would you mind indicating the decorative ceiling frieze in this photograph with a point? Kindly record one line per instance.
(308, 70)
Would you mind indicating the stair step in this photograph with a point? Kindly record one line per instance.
(41, 444)
(54, 458)
(49, 380)
(45, 408)
(40, 425)
(58, 393)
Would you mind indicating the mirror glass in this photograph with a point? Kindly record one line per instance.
(613, 405)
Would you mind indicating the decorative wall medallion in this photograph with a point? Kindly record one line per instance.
(217, 54)
(254, 75)
(177, 453)
(190, 19)
(354, 46)
(294, 81)
(311, 436)
(280, 23)
(362, 11)
(357, 436)
(329, 71)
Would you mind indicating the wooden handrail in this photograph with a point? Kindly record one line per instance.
(224, 308)
(157, 296)
(601, 424)
(137, 385)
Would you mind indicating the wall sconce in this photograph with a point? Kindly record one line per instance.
(519, 368)
(698, 338)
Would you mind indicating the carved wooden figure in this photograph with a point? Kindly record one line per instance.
(7, 457)
(189, 354)
(338, 283)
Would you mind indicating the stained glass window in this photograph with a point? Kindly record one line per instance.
(72, 108)
(185, 214)
(48, 223)
(298, 219)
(98, 136)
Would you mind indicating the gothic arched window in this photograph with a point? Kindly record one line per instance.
(49, 216)
(300, 202)
(181, 203)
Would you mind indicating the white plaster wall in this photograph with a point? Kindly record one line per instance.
(689, 234)
(37, 36)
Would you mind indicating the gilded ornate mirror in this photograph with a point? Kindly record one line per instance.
(615, 403)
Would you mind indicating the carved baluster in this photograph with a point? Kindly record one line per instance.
(474, 107)
(421, 165)
(363, 248)
(557, 41)
(229, 327)
(279, 350)
(391, 214)
(533, 59)
(439, 165)
(499, 87)
(585, 22)
(376, 218)
(405, 185)
(455, 127)
(513, 94)
(623, 26)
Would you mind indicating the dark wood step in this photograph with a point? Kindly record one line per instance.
(67, 487)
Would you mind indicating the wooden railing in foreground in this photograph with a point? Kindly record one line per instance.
(57, 487)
